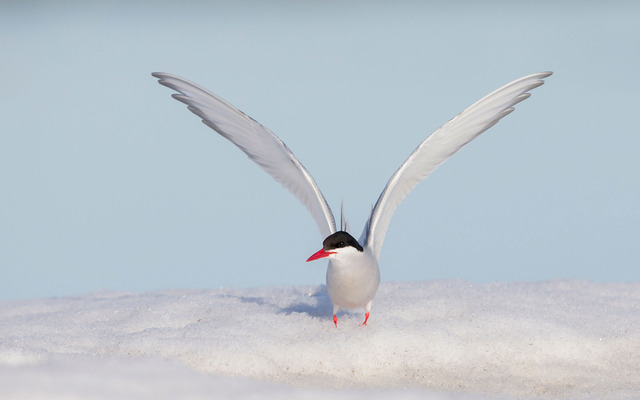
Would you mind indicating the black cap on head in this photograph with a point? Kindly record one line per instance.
(340, 239)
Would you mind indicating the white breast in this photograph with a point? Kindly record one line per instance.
(352, 277)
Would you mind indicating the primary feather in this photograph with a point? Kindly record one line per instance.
(259, 143)
(439, 146)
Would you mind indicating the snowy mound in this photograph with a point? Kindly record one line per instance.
(561, 339)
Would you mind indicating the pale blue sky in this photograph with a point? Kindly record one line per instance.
(108, 183)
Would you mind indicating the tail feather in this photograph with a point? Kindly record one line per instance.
(344, 224)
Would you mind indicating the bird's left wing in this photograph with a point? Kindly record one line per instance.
(441, 145)
(259, 143)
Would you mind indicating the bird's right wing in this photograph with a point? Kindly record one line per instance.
(259, 143)
(441, 145)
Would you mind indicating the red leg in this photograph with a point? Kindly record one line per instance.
(335, 320)
(366, 317)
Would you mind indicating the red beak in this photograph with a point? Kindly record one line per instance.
(320, 254)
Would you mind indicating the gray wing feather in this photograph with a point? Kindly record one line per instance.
(259, 143)
(441, 145)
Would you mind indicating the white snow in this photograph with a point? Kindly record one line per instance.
(440, 339)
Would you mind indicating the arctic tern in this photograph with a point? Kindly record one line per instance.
(353, 274)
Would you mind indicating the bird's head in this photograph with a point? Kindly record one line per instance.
(335, 244)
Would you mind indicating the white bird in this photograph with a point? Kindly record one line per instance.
(353, 274)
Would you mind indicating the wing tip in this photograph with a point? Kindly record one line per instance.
(162, 76)
(539, 75)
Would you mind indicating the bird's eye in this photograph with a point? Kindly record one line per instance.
(340, 244)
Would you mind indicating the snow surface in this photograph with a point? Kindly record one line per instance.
(434, 340)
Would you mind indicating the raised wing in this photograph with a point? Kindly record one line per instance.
(259, 143)
(439, 146)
